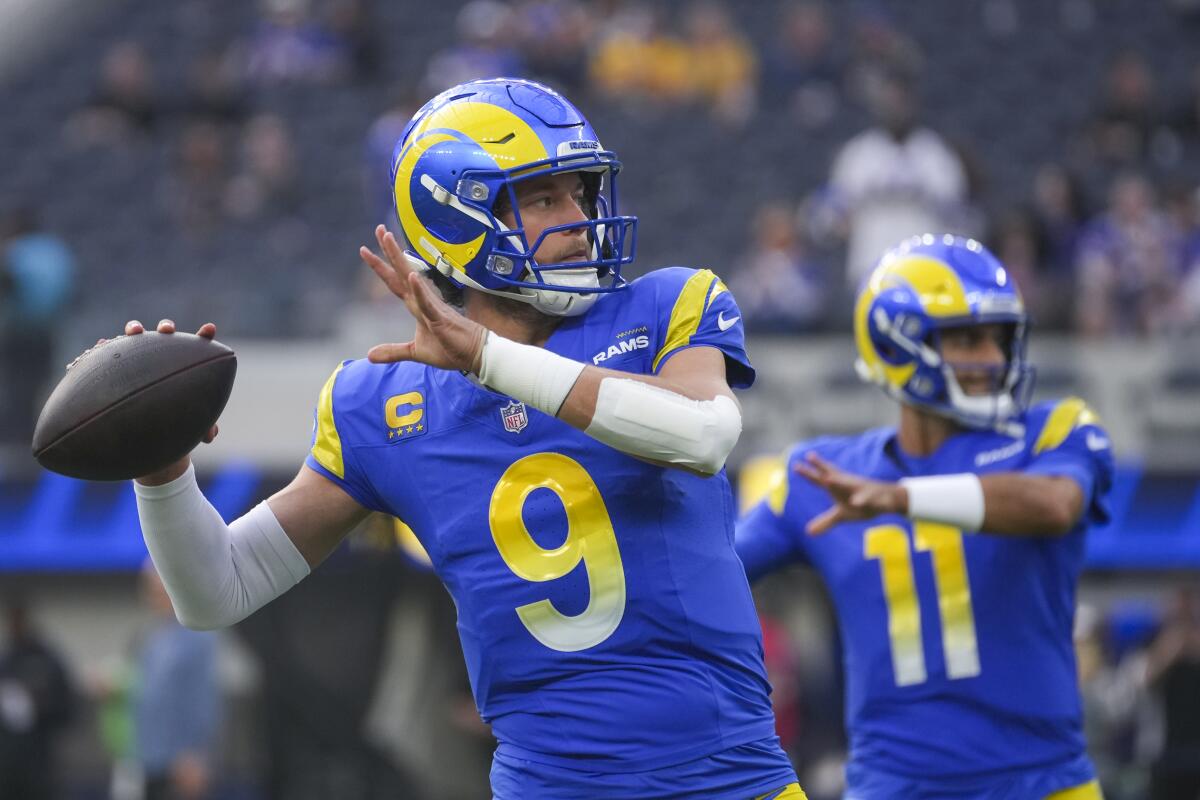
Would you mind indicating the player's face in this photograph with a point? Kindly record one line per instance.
(548, 201)
(978, 354)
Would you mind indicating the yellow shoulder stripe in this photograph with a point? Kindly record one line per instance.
(718, 287)
(327, 447)
(1068, 415)
(763, 478)
(685, 316)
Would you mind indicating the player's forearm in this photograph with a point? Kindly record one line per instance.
(1008, 503)
(579, 408)
(215, 574)
(1017, 504)
(646, 416)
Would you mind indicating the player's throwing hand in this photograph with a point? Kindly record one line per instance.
(444, 338)
(855, 497)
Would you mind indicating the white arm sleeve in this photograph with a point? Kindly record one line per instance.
(632, 416)
(215, 574)
(658, 424)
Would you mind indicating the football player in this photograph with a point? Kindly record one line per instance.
(952, 543)
(557, 445)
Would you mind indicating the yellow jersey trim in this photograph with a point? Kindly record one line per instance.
(717, 289)
(790, 792)
(1084, 791)
(764, 478)
(327, 447)
(1068, 415)
(685, 316)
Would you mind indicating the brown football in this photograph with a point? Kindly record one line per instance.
(133, 405)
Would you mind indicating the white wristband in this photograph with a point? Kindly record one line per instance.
(949, 499)
(530, 374)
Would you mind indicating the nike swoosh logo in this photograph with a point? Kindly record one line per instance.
(726, 324)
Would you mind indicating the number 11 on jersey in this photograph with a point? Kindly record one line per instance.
(890, 545)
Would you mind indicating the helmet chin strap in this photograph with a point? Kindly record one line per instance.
(565, 304)
(548, 301)
(998, 407)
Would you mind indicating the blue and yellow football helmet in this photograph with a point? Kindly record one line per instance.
(925, 285)
(466, 148)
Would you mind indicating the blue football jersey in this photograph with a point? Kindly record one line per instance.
(604, 615)
(958, 648)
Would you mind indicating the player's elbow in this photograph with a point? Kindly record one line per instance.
(722, 430)
(1059, 519)
(1053, 516)
(1061, 507)
(666, 427)
(198, 619)
(198, 622)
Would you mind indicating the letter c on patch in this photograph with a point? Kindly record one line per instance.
(397, 402)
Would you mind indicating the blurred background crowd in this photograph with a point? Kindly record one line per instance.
(218, 159)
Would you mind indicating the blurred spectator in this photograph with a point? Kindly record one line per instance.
(111, 686)
(724, 67)
(802, 73)
(126, 105)
(1126, 270)
(1185, 117)
(880, 51)
(215, 91)
(267, 184)
(486, 48)
(290, 46)
(1026, 250)
(1127, 116)
(382, 136)
(640, 60)
(1110, 691)
(1059, 211)
(894, 180)
(194, 194)
(357, 34)
(176, 701)
(778, 287)
(37, 278)
(316, 700)
(555, 37)
(1014, 239)
(1187, 215)
(37, 701)
(1173, 674)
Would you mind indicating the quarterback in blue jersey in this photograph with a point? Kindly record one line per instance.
(556, 444)
(951, 545)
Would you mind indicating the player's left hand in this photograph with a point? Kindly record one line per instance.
(854, 496)
(444, 338)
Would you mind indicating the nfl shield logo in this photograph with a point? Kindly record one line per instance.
(514, 416)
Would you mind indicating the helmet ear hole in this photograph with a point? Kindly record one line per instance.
(591, 193)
